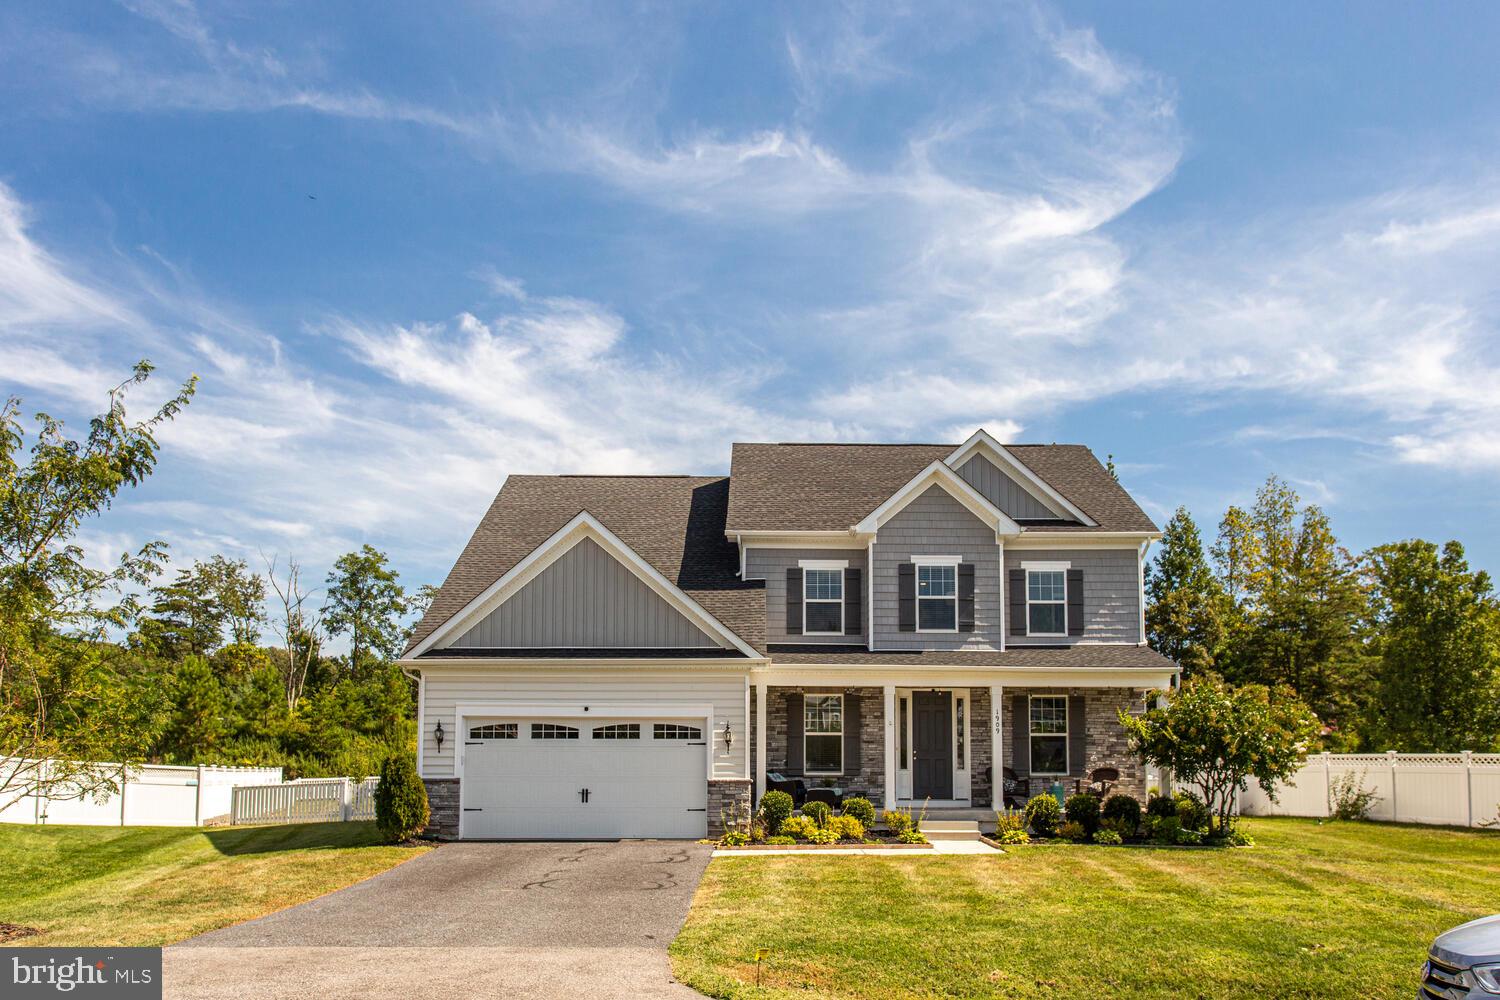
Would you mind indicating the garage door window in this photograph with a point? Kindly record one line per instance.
(495, 731)
(672, 731)
(618, 731)
(549, 731)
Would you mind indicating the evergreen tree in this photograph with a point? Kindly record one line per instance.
(198, 719)
(1185, 605)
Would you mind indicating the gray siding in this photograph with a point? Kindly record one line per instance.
(586, 598)
(935, 524)
(1111, 593)
(771, 565)
(1001, 490)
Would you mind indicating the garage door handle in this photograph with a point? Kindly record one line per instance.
(697, 810)
(697, 744)
(473, 809)
(584, 794)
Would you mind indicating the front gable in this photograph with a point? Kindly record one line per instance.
(1003, 491)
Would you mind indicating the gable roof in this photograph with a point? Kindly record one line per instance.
(944, 478)
(673, 523)
(830, 487)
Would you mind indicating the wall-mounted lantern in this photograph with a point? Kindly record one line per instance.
(728, 735)
(438, 735)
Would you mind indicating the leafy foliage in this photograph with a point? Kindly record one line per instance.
(1123, 810)
(365, 602)
(861, 809)
(401, 809)
(818, 812)
(1186, 607)
(1043, 814)
(1351, 799)
(775, 807)
(1083, 809)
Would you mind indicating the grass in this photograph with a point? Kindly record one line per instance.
(1338, 910)
(89, 885)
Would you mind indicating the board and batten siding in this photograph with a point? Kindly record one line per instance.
(1111, 593)
(589, 599)
(1002, 491)
(771, 565)
(572, 689)
(935, 524)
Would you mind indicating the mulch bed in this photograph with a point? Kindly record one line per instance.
(14, 932)
(883, 845)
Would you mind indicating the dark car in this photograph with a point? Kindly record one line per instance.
(1464, 963)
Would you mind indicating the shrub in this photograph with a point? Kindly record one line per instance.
(1192, 812)
(818, 812)
(1239, 838)
(861, 809)
(1083, 809)
(822, 835)
(401, 810)
(1108, 837)
(1189, 837)
(780, 841)
(1043, 815)
(1073, 832)
(898, 821)
(847, 828)
(800, 827)
(734, 838)
(1125, 812)
(1161, 805)
(1008, 822)
(1351, 800)
(911, 835)
(1012, 837)
(1164, 829)
(775, 807)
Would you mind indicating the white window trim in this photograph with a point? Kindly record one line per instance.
(829, 565)
(1031, 568)
(1065, 734)
(921, 561)
(806, 770)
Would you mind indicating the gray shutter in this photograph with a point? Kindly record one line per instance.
(1077, 735)
(1017, 600)
(794, 765)
(854, 602)
(966, 597)
(794, 600)
(852, 763)
(1020, 744)
(906, 577)
(1075, 602)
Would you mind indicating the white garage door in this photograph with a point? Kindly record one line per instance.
(585, 779)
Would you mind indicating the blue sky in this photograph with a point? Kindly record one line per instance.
(412, 252)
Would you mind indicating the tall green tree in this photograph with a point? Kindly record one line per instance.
(60, 695)
(366, 602)
(1185, 605)
(198, 714)
(205, 604)
(1436, 639)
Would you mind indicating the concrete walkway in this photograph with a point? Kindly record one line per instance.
(470, 920)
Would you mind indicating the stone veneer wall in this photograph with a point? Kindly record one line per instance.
(442, 799)
(1106, 744)
(870, 776)
(727, 798)
(981, 755)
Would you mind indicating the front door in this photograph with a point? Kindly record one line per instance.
(932, 745)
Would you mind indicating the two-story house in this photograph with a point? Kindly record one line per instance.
(635, 656)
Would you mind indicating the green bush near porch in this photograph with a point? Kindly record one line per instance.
(1343, 911)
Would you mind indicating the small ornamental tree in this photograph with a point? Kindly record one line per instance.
(401, 810)
(1218, 737)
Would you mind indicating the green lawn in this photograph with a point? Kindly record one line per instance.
(89, 885)
(1337, 910)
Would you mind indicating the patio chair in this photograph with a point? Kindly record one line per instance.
(831, 796)
(1100, 781)
(795, 787)
(1015, 791)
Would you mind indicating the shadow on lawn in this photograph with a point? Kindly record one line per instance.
(239, 840)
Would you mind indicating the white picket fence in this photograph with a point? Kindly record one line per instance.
(145, 795)
(1451, 789)
(314, 800)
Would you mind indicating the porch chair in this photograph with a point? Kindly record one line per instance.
(1015, 791)
(832, 796)
(1100, 781)
(795, 787)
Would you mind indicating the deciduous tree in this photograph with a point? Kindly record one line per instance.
(366, 602)
(1185, 606)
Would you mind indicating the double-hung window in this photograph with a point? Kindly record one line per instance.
(823, 602)
(1047, 602)
(1049, 734)
(823, 733)
(937, 597)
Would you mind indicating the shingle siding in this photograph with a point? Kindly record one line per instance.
(1111, 593)
(1001, 490)
(771, 565)
(936, 524)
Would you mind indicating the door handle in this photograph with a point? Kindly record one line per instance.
(583, 793)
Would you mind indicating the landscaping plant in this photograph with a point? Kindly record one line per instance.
(1010, 827)
(1074, 832)
(898, 822)
(800, 827)
(1161, 805)
(1043, 815)
(1108, 837)
(1124, 811)
(401, 810)
(1083, 809)
(1192, 813)
(1351, 799)
(818, 812)
(847, 828)
(861, 809)
(775, 807)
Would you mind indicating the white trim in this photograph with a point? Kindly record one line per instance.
(584, 525)
(1047, 568)
(843, 539)
(806, 770)
(1041, 538)
(1029, 481)
(937, 560)
(823, 563)
(869, 608)
(1065, 734)
(938, 474)
(941, 562)
(828, 566)
(1004, 582)
(421, 720)
(1140, 596)
(889, 691)
(997, 744)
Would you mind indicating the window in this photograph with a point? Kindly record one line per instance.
(1046, 602)
(823, 733)
(958, 745)
(618, 731)
(495, 731)
(1049, 734)
(548, 731)
(823, 602)
(937, 598)
(903, 756)
(672, 731)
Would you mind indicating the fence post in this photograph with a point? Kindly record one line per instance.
(124, 780)
(1469, 786)
(198, 803)
(348, 803)
(1390, 757)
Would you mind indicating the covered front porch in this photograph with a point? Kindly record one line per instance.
(955, 742)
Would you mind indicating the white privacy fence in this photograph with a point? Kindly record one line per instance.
(145, 795)
(317, 800)
(1452, 789)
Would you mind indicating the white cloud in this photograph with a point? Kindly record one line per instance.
(34, 288)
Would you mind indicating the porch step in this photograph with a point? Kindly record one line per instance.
(950, 829)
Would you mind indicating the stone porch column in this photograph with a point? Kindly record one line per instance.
(890, 746)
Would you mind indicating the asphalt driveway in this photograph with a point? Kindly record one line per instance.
(471, 920)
